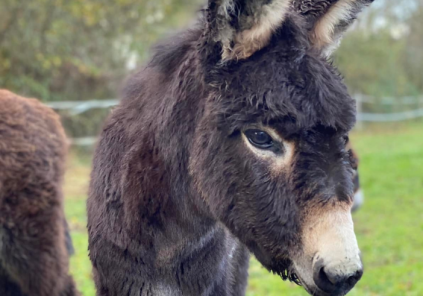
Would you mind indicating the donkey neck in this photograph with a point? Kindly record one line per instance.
(201, 266)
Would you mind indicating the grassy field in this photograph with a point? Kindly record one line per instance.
(389, 226)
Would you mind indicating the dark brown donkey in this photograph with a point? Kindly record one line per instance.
(34, 238)
(358, 192)
(231, 140)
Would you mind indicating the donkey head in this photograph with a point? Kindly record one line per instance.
(270, 158)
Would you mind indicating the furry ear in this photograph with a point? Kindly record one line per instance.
(244, 26)
(327, 20)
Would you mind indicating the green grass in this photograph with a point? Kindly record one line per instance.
(389, 227)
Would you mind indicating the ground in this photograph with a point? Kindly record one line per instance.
(389, 227)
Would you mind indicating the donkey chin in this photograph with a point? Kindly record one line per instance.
(330, 262)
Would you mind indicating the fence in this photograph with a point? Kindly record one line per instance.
(77, 108)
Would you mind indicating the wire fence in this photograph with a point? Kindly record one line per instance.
(75, 108)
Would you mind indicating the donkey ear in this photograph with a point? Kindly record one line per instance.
(244, 26)
(327, 20)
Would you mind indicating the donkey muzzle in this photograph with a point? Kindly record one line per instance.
(337, 279)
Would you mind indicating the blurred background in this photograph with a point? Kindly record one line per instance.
(74, 54)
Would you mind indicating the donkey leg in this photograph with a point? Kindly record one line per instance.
(68, 239)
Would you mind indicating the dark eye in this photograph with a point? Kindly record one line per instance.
(259, 139)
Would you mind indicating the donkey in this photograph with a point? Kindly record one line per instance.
(231, 140)
(358, 192)
(34, 240)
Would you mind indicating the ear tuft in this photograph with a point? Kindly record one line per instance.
(329, 19)
(244, 27)
(326, 34)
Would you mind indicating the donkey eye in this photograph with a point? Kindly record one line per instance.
(259, 139)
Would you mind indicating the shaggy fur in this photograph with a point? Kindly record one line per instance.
(176, 202)
(358, 194)
(33, 248)
(327, 20)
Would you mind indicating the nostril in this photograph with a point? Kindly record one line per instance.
(323, 281)
(334, 281)
(352, 280)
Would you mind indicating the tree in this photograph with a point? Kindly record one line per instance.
(79, 49)
(383, 55)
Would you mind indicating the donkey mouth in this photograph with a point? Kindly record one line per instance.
(314, 291)
(317, 292)
(285, 269)
(293, 277)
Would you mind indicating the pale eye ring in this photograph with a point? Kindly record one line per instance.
(259, 139)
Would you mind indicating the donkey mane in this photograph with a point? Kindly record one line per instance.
(172, 51)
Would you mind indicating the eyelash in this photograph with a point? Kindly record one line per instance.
(268, 143)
